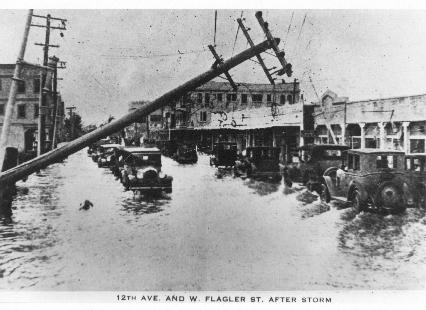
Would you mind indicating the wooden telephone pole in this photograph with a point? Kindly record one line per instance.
(13, 90)
(54, 126)
(43, 79)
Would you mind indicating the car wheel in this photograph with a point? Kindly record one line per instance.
(356, 201)
(325, 194)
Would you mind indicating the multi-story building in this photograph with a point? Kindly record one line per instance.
(389, 123)
(254, 114)
(23, 130)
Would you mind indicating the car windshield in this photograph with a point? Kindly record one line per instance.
(331, 154)
(144, 159)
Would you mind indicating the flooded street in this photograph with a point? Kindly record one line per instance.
(212, 233)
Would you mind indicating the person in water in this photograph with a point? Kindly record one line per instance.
(86, 205)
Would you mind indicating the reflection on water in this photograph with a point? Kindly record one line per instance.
(212, 233)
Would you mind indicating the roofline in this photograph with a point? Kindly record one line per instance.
(387, 98)
(375, 151)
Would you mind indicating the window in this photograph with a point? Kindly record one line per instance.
(36, 86)
(385, 162)
(332, 154)
(282, 99)
(219, 97)
(199, 98)
(21, 111)
(21, 87)
(155, 118)
(371, 143)
(290, 99)
(257, 97)
(36, 110)
(417, 146)
(353, 161)
(231, 97)
(269, 98)
(2, 109)
(203, 116)
(243, 98)
(356, 162)
(207, 98)
(0, 84)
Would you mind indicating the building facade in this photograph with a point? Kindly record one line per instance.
(23, 130)
(252, 115)
(397, 123)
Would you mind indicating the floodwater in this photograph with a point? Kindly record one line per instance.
(214, 232)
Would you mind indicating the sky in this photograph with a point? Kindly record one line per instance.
(117, 56)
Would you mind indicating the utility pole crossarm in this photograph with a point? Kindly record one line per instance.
(280, 54)
(220, 61)
(260, 60)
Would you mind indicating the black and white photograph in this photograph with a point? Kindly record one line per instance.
(213, 150)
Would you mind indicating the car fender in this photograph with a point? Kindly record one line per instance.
(361, 189)
(328, 181)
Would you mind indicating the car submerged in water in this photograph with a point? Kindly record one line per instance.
(106, 155)
(224, 154)
(313, 159)
(373, 180)
(186, 153)
(141, 170)
(260, 162)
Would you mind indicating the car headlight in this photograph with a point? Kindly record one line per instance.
(139, 174)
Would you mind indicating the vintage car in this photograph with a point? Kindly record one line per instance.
(373, 179)
(142, 170)
(260, 162)
(416, 172)
(94, 147)
(224, 154)
(311, 162)
(106, 155)
(186, 153)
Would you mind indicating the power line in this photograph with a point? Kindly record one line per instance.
(179, 53)
(289, 26)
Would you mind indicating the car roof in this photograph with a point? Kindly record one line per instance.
(311, 146)
(138, 149)
(225, 142)
(375, 151)
(262, 147)
(111, 145)
(416, 155)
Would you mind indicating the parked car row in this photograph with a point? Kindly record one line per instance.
(367, 179)
(137, 168)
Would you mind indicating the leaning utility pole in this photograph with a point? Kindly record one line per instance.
(13, 90)
(15, 174)
(259, 59)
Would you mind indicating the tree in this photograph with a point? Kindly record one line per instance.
(73, 131)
